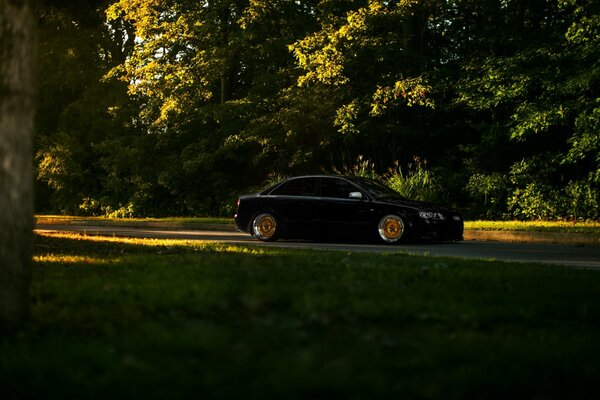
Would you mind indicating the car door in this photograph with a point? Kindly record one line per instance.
(341, 215)
(296, 203)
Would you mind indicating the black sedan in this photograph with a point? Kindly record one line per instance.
(342, 206)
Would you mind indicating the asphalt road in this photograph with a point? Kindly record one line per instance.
(562, 254)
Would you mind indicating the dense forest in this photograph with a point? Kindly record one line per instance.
(173, 107)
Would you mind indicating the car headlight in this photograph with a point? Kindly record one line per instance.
(431, 215)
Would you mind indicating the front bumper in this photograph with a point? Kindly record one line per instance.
(437, 230)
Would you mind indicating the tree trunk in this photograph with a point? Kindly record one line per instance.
(17, 104)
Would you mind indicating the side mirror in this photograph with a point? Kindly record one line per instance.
(355, 195)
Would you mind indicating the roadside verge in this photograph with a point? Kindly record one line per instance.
(582, 239)
(573, 238)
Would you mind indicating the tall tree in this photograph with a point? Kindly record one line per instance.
(86, 148)
(212, 77)
(17, 104)
(531, 86)
(371, 55)
(220, 93)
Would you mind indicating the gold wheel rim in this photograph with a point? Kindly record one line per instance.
(265, 226)
(391, 228)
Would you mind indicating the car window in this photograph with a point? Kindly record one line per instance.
(376, 189)
(297, 187)
(338, 188)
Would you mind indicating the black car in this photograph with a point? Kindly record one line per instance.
(342, 206)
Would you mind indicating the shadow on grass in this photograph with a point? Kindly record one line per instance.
(186, 319)
(107, 246)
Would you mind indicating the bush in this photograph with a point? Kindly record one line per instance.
(97, 208)
(581, 201)
(363, 167)
(489, 193)
(535, 201)
(418, 183)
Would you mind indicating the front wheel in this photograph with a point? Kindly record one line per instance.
(391, 229)
(264, 227)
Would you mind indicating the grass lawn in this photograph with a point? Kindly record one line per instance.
(142, 318)
(62, 219)
(588, 227)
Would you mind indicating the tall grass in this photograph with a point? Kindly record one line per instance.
(417, 183)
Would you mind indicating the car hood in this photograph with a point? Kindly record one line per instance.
(414, 204)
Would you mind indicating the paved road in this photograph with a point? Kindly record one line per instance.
(571, 255)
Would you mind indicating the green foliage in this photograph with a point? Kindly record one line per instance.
(585, 142)
(539, 95)
(176, 107)
(576, 201)
(363, 167)
(490, 193)
(581, 201)
(534, 201)
(411, 92)
(345, 119)
(418, 183)
(94, 207)
(526, 194)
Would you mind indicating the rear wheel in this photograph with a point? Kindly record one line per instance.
(391, 228)
(265, 228)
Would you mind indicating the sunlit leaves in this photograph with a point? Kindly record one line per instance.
(324, 55)
(586, 140)
(410, 92)
(494, 82)
(585, 29)
(345, 118)
(534, 118)
(350, 43)
(228, 91)
(57, 166)
(171, 65)
(322, 59)
(583, 38)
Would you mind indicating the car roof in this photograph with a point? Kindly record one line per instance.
(273, 186)
(318, 176)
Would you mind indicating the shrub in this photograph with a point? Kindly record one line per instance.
(489, 193)
(418, 183)
(363, 167)
(581, 201)
(535, 201)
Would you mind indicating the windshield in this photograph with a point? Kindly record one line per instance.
(376, 189)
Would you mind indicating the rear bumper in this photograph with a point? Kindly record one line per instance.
(242, 224)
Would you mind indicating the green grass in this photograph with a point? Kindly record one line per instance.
(589, 227)
(58, 219)
(143, 318)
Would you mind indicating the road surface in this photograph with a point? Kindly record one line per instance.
(571, 255)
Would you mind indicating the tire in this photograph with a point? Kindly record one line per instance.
(264, 227)
(391, 229)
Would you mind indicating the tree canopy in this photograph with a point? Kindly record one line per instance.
(176, 107)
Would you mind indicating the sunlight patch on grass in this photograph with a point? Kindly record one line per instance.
(176, 220)
(66, 259)
(195, 245)
(543, 226)
(150, 242)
